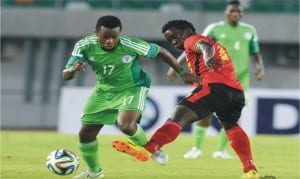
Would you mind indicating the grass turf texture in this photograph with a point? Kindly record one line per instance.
(23, 155)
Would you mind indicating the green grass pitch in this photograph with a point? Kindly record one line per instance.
(23, 155)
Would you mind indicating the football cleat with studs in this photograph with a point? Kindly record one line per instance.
(137, 152)
(88, 174)
(252, 174)
(193, 153)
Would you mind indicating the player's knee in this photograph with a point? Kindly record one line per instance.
(87, 136)
(180, 121)
(205, 122)
(127, 128)
(229, 125)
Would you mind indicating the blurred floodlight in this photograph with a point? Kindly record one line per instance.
(171, 8)
(77, 6)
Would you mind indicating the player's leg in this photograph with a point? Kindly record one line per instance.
(171, 129)
(133, 102)
(189, 110)
(96, 114)
(240, 143)
(221, 146)
(128, 124)
(88, 143)
(223, 139)
(199, 135)
(88, 147)
(238, 138)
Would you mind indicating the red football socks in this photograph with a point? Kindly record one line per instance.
(240, 143)
(164, 135)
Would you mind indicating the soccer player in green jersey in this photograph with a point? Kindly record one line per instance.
(241, 41)
(122, 86)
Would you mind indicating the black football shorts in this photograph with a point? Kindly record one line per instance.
(225, 101)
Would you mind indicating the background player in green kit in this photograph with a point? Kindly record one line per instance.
(122, 86)
(241, 41)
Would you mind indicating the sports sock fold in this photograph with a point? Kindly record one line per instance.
(199, 134)
(223, 140)
(139, 137)
(89, 153)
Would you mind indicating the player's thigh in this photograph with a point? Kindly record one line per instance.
(133, 99)
(199, 101)
(100, 100)
(208, 99)
(232, 114)
(205, 122)
(100, 108)
(105, 117)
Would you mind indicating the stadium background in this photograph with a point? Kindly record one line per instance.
(37, 37)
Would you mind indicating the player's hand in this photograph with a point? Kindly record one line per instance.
(171, 74)
(259, 74)
(79, 66)
(189, 78)
(213, 64)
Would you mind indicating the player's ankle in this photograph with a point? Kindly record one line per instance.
(248, 168)
(151, 147)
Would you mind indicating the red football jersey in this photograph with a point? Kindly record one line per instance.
(225, 74)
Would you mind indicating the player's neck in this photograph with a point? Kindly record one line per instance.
(233, 23)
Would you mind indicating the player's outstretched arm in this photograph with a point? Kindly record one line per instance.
(171, 60)
(69, 73)
(171, 74)
(260, 69)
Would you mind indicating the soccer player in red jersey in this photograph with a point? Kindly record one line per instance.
(220, 92)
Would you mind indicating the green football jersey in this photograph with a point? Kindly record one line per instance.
(240, 41)
(116, 69)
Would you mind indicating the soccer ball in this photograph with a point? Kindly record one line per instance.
(62, 162)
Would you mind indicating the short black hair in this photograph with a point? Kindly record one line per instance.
(108, 21)
(234, 2)
(178, 24)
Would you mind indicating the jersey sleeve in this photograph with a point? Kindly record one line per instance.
(77, 53)
(153, 50)
(209, 31)
(254, 45)
(191, 42)
(141, 47)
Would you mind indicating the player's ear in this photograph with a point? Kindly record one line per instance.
(242, 13)
(188, 31)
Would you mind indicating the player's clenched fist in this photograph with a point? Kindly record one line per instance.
(259, 73)
(171, 74)
(79, 66)
(69, 73)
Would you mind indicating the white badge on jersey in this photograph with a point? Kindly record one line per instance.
(247, 35)
(127, 59)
